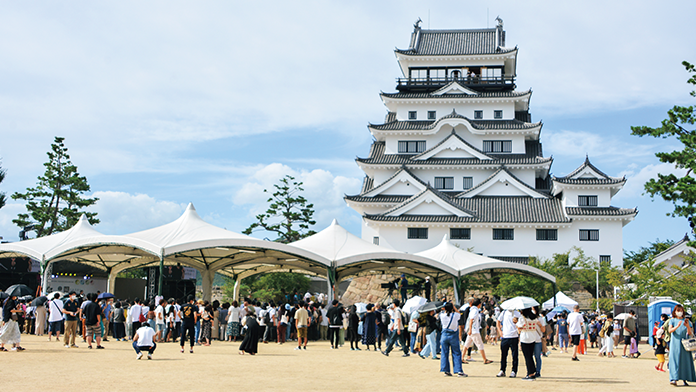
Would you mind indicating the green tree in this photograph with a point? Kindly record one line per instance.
(681, 191)
(646, 279)
(631, 258)
(56, 203)
(288, 216)
(269, 287)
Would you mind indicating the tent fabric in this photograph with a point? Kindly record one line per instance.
(466, 262)
(561, 300)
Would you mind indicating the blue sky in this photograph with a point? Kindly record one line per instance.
(166, 103)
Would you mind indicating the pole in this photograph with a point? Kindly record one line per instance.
(161, 276)
(597, 287)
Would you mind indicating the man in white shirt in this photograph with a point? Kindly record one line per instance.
(473, 330)
(134, 313)
(159, 319)
(143, 341)
(510, 339)
(324, 323)
(55, 318)
(396, 329)
(575, 322)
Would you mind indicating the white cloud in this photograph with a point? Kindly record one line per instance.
(321, 188)
(576, 144)
(8, 230)
(636, 179)
(123, 213)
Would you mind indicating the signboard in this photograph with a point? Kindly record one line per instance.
(189, 273)
(64, 284)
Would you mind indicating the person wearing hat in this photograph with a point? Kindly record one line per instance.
(427, 286)
(9, 332)
(250, 344)
(143, 340)
(70, 310)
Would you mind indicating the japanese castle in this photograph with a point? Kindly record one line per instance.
(458, 155)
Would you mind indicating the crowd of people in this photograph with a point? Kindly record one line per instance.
(443, 333)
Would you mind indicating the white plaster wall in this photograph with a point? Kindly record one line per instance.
(392, 142)
(571, 196)
(443, 109)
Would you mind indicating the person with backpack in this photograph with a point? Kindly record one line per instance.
(335, 315)
(396, 329)
(606, 334)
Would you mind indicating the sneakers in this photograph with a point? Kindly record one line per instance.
(298, 348)
(140, 355)
(575, 359)
(462, 374)
(182, 350)
(74, 346)
(527, 378)
(513, 374)
(67, 346)
(304, 348)
(100, 347)
(448, 374)
(386, 354)
(500, 374)
(149, 356)
(406, 355)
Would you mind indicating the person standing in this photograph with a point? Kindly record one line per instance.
(473, 330)
(323, 323)
(628, 331)
(301, 323)
(40, 320)
(70, 309)
(449, 319)
(353, 322)
(562, 331)
(681, 364)
(427, 286)
(160, 321)
(93, 316)
(55, 317)
(135, 311)
(189, 316)
(143, 340)
(396, 330)
(529, 332)
(119, 325)
(510, 338)
(9, 332)
(403, 283)
(431, 329)
(233, 322)
(222, 320)
(106, 317)
(538, 345)
(250, 344)
(335, 316)
(575, 323)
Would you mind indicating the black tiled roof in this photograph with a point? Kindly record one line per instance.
(476, 124)
(378, 199)
(452, 135)
(367, 184)
(531, 157)
(495, 94)
(403, 169)
(601, 211)
(456, 42)
(495, 174)
(496, 209)
(435, 192)
(605, 180)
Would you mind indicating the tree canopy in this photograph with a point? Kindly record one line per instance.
(269, 287)
(56, 202)
(632, 258)
(680, 190)
(288, 216)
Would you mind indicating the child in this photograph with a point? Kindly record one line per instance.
(634, 349)
(660, 350)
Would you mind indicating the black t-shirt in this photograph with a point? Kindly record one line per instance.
(91, 311)
(188, 313)
(71, 306)
(7, 308)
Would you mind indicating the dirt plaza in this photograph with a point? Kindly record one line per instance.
(276, 367)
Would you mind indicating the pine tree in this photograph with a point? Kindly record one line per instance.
(56, 203)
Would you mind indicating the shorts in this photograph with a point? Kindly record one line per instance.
(93, 330)
(627, 340)
(660, 358)
(54, 326)
(575, 340)
(302, 332)
(160, 327)
(474, 339)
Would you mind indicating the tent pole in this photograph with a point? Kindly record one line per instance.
(331, 281)
(161, 276)
(455, 285)
(555, 290)
(207, 284)
(237, 284)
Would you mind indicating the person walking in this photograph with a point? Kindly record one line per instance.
(473, 330)
(160, 321)
(93, 317)
(509, 342)
(144, 340)
(55, 316)
(538, 345)
(71, 309)
(449, 319)
(189, 316)
(9, 332)
(431, 328)
(301, 323)
(353, 322)
(528, 328)
(681, 364)
(562, 332)
(575, 324)
(335, 316)
(206, 325)
(396, 330)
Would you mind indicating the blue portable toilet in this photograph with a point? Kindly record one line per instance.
(657, 309)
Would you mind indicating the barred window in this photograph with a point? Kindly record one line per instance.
(605, 259)
(417, 233)
(444, 182)
(460, 234)
(412, 115)
(432, 115)
(504, 234)
(587, 201)
(589, 235)
(498, 114)
(411, 147)
(547, 234)
(468, 182)
(478, 114)
(375, 240)
(497, 146)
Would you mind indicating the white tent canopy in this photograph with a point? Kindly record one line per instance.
(561, 300)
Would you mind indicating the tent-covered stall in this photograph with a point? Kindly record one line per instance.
(561, 300)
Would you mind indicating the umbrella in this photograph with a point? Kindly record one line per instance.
(105, 296)
(3, 295)
(40, 301)
(519, 303)
(19, 290)
(60, 295)
(437, 305)
(560, 309)
(621, 316)
(361, 307)
(26, 298)
(413, 303)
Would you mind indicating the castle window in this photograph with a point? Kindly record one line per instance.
(460, 234)
(444, 183)
(413, 115)
(589, 235)
(504, 234)
(587, 201)
(411, 147)
(497, 146)
(605, 259)
(375, 240)
(498, 114)
(547, 234)
(417, 233)
(478, 114)
(468, 182)
(431, 115)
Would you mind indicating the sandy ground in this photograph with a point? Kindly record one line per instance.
(276, 367)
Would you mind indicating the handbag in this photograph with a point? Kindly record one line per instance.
(689, 343)
(412, 326)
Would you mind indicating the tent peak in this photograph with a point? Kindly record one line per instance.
(334, 222)
(445, 238)
(190, 207)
